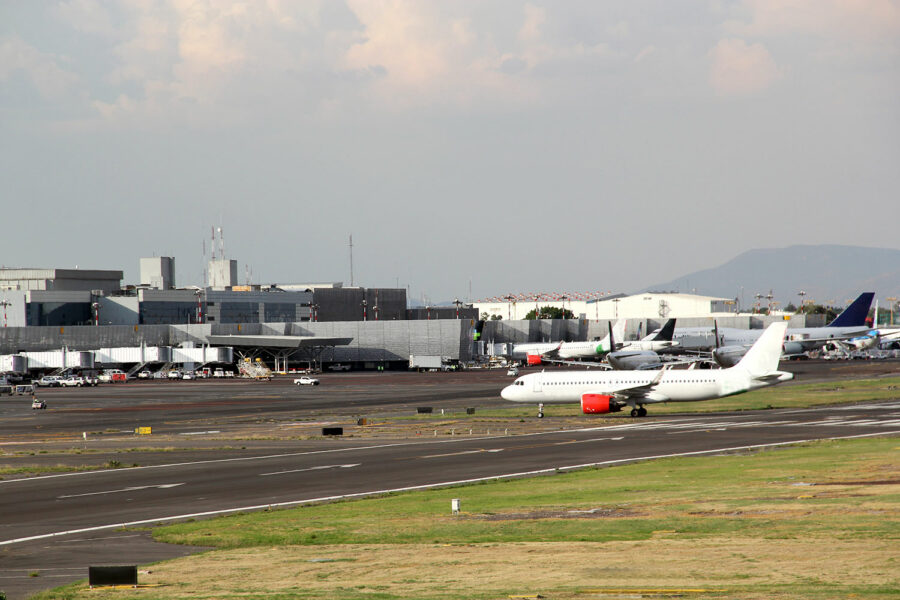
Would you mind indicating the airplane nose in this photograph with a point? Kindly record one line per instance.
(506, 393)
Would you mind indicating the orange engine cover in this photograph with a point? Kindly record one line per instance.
(533, 359)
(596, 404)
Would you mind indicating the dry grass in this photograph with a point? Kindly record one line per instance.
(743, 568)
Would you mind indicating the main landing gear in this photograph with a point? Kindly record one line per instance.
(639, 412)
(540, 411)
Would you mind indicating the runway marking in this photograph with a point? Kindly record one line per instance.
(479, 451)
(602, 429)
(612, 439)
(163, 486)
(109, 537)
(197, 432)
(319, 468)
(429, 486)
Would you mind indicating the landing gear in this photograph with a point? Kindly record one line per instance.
(639, 412)
(540, 411)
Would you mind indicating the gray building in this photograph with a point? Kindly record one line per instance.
(60, 280)
(158, 272)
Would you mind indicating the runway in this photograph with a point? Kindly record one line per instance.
(60, 524)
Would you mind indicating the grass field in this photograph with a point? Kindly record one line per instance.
(819, 520)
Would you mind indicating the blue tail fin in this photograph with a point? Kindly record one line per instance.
(855, 314)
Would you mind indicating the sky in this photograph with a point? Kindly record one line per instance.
(499, 146)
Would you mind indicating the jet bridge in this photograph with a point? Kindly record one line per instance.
(280, 348)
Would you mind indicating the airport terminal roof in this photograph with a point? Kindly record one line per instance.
(277, 341)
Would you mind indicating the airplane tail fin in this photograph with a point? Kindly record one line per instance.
(619, 330)
(856, 314)
(612, 338)
(667, 332)
(762, 358)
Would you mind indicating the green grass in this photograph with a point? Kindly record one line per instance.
(785, 396)
(692, 497)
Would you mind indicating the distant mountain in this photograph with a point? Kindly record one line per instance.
(829, 274)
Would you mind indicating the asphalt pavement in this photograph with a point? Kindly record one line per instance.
(56, 525)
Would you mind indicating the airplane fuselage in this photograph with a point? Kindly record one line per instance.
(674, 386)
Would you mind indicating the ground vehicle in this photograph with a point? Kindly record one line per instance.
(189, 376)
(173, 374)
(144, 374)
(219, 373)
(49, 381)
(306, 381)
(37, 403)
(113, 376)
(339, 367)
(73, 381)
(513, 371)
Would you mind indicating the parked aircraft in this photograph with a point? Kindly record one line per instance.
(728, 345)
(644, 353)
(534, 354)
(609, 391)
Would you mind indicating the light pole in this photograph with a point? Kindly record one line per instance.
(509, 303)
(802, 294)
(365, 315)
(891, 300)
(427, 313)
(564, 298)
(315, 311)
(94, 305)
(199, 293)
(6, 303)
(457, 303)
(375, 310)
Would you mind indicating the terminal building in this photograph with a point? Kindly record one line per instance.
(605, 305)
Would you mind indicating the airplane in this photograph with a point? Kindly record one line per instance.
(729, 345)
(609, 391)
(534, 354)
(644, 353)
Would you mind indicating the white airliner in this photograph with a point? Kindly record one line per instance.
(534, 353)
(609, 391)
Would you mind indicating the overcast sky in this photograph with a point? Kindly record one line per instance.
(557, 146)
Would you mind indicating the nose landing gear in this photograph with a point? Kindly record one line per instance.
(540, 411)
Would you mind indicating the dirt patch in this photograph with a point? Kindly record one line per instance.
(878, 482)
(594, 513)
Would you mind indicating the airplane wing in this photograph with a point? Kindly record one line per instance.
(626, 391)
(577, 363)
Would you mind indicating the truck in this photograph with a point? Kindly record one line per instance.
(427, 362)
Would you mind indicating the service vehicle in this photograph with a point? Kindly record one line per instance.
(306, 381)
(145, 374)
(113, 376)
(173, 374)
(219, 373)
(73, 381)
(37, 403)
(49, 381)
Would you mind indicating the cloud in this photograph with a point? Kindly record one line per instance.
(862, 20)
(41, 69)
(740, 69)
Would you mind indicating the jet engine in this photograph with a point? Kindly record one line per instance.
(728, 356)
(633, 360)
(533, 359)
(793, 348)
(598, 404)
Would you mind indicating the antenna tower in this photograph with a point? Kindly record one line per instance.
(351, 260)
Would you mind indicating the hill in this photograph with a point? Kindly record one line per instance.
(830, 274)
